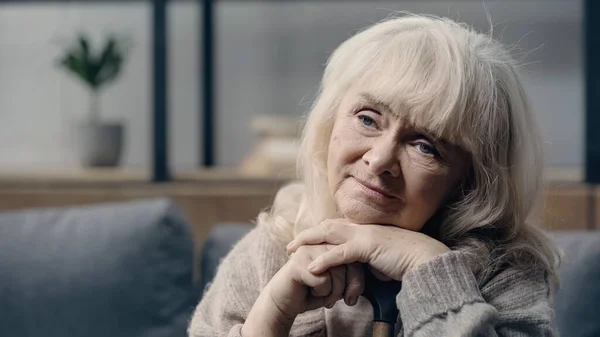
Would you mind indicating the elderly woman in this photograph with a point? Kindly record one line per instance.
(420, 162)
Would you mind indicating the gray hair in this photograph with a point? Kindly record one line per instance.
(463, 87)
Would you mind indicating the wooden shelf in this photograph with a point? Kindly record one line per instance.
(226, 181)
(212, 196)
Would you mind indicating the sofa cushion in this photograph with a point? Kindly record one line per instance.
(578, 299)
(104, 270)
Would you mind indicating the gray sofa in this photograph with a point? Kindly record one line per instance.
(126, 270)
(577, 301)
(118, 270)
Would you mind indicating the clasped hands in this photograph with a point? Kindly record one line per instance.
(338, 251)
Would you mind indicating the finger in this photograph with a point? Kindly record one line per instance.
(302, 276)
(329, 231)
(314, 252)
(338, 282)
(355, 283)
(321, 282)
(322, 287)
(337, 256)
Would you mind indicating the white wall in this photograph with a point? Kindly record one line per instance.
(39, 102)
(270, 58)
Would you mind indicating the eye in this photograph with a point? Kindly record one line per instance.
(427, 149)
(367, 121)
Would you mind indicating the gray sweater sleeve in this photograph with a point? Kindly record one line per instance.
(442, 298)
(240, 277)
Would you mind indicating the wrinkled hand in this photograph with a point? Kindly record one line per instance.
(294, 289)
(389, 250)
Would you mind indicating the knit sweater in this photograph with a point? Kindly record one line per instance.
(438, 298)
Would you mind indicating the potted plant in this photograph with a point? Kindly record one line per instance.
(100, 143)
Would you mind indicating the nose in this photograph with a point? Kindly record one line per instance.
(382, 158)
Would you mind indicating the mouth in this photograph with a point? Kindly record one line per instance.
(379, 191)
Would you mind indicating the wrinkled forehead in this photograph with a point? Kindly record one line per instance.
(412, 119)
(423, 78)
(420, 110)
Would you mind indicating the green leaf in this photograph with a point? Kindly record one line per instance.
(95, 70)
(105, 60)
(85, 47)
(87, 59)
(74, 64)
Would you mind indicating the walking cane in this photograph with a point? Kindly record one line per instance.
(382, 295)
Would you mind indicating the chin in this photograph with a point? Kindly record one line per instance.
(361, 213)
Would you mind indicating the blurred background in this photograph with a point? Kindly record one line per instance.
(99, 96)
(268, 58)
(202, 101)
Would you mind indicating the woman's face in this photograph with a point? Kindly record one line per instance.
(383, 171)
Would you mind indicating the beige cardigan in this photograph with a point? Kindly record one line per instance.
(439, 298)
